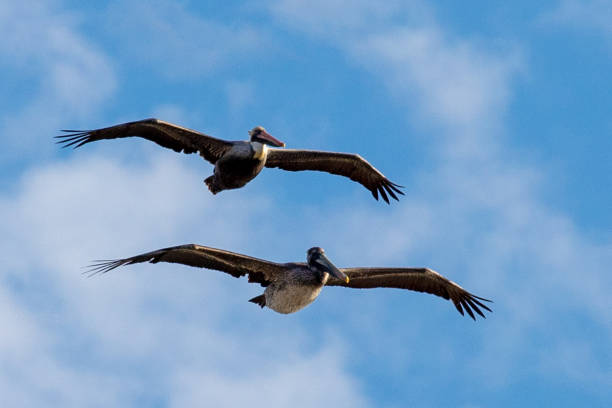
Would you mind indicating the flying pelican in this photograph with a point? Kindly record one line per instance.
(294, 285)
(237, 163)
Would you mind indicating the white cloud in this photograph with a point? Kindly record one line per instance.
(69, 75)
(575, 359)
(240, 94)
(179, 43)
(30, 376)
(456, 84)
(453, 81)
(295, 382)
(591, 15)
(153, 331)
(338, 19)
(480, 216)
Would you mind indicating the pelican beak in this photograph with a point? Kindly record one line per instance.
(330, 268)
(269, 139)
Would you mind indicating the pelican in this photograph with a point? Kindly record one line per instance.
(238, 162)
(294, 285)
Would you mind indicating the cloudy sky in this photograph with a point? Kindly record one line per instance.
(496, 118)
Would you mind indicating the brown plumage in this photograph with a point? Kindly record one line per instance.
(349, 165)
(292, 286)
(418, 279)
(163, 133)
(238, 162)
(237, 265)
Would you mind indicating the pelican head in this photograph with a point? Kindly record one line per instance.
(318, 261)
(259, 134)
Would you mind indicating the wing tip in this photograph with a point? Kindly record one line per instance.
(74, 138)
(103, 266)
(471, 303)
(387, 188)
(383, 194)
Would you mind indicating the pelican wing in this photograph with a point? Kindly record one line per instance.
(349, 165)
(237, 265)
(165, 134)
(417, 279)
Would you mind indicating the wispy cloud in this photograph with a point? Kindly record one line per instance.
(31, 374)
(455, 83)
(320, 17)
(240, 94)
(178, 42)
(143, 333)
(71, 76)
(283, 385)
(589, 15)
(480, 213)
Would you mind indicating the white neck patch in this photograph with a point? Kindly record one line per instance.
(261, 150)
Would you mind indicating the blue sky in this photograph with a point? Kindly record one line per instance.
(495, 117)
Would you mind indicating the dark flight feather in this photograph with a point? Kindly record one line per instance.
(237, 265)
(165, 134)
(417, 279)
(349, 165)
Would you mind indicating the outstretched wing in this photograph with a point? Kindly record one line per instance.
(417, 279)
(165, 134)
(349, 165)
(237, 265)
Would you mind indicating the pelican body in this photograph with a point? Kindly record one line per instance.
(292, 286)
(242, 162)
(293, 292)
(300, 285)
(238, 162)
